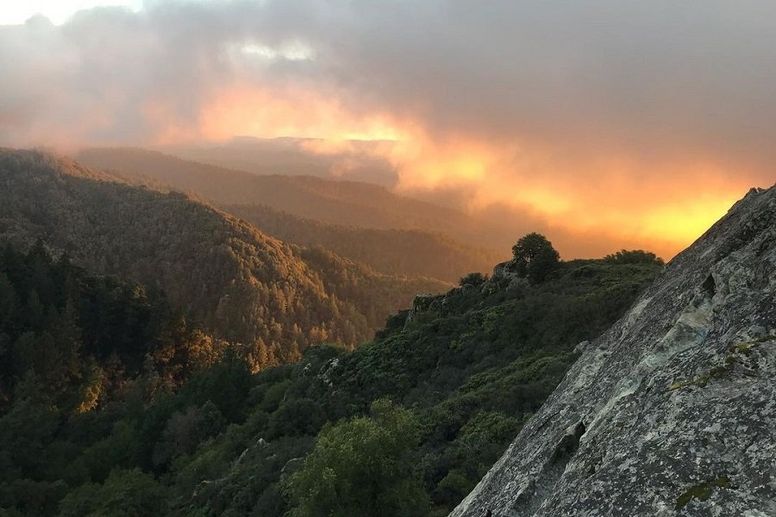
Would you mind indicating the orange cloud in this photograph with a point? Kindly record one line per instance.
(290, 113)
(578, 118)
(624, 203)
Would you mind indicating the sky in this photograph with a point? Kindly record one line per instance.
(14, 12)
(603, 123)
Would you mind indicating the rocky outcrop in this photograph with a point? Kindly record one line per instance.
(421, 303)
(673, 410)
(505, 275)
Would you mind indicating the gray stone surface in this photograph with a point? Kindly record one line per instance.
(673, 410)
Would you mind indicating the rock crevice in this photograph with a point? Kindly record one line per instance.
(673, 410)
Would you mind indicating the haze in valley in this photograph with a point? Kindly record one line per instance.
(603, 124)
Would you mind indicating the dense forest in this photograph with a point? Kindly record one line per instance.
(74, 338)
(404, 425)
(237, 282)
(72, 346)
(412, 253)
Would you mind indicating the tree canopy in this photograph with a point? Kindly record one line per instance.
(236, 282)
(114, 401)
(108, 395)
(534, 257)
(362, 466)
(634, 257)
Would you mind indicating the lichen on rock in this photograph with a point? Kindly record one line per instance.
(676, 402)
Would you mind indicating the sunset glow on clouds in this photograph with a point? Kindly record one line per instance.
(622, 203)
(606, 124)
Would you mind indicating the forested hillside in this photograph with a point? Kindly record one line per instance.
(397, 252)
(405, 425)
(72, 346)
(345, 203)
(76, 338)
(232, 279)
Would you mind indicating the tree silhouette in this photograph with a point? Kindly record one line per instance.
(535, 257)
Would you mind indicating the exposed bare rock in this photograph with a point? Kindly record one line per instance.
(673, 410)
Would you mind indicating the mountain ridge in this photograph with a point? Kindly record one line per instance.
(238, 282)
(338, 202)
(469, 368)
(395, 252)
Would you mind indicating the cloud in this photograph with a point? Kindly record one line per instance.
(641, 121)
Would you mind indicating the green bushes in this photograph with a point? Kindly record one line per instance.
(313, 438)
(126, 493)
(362, 466)
(634, 257)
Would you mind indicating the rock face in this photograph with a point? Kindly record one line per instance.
(673, 410)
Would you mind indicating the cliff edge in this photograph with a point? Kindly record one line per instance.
(673, 410)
